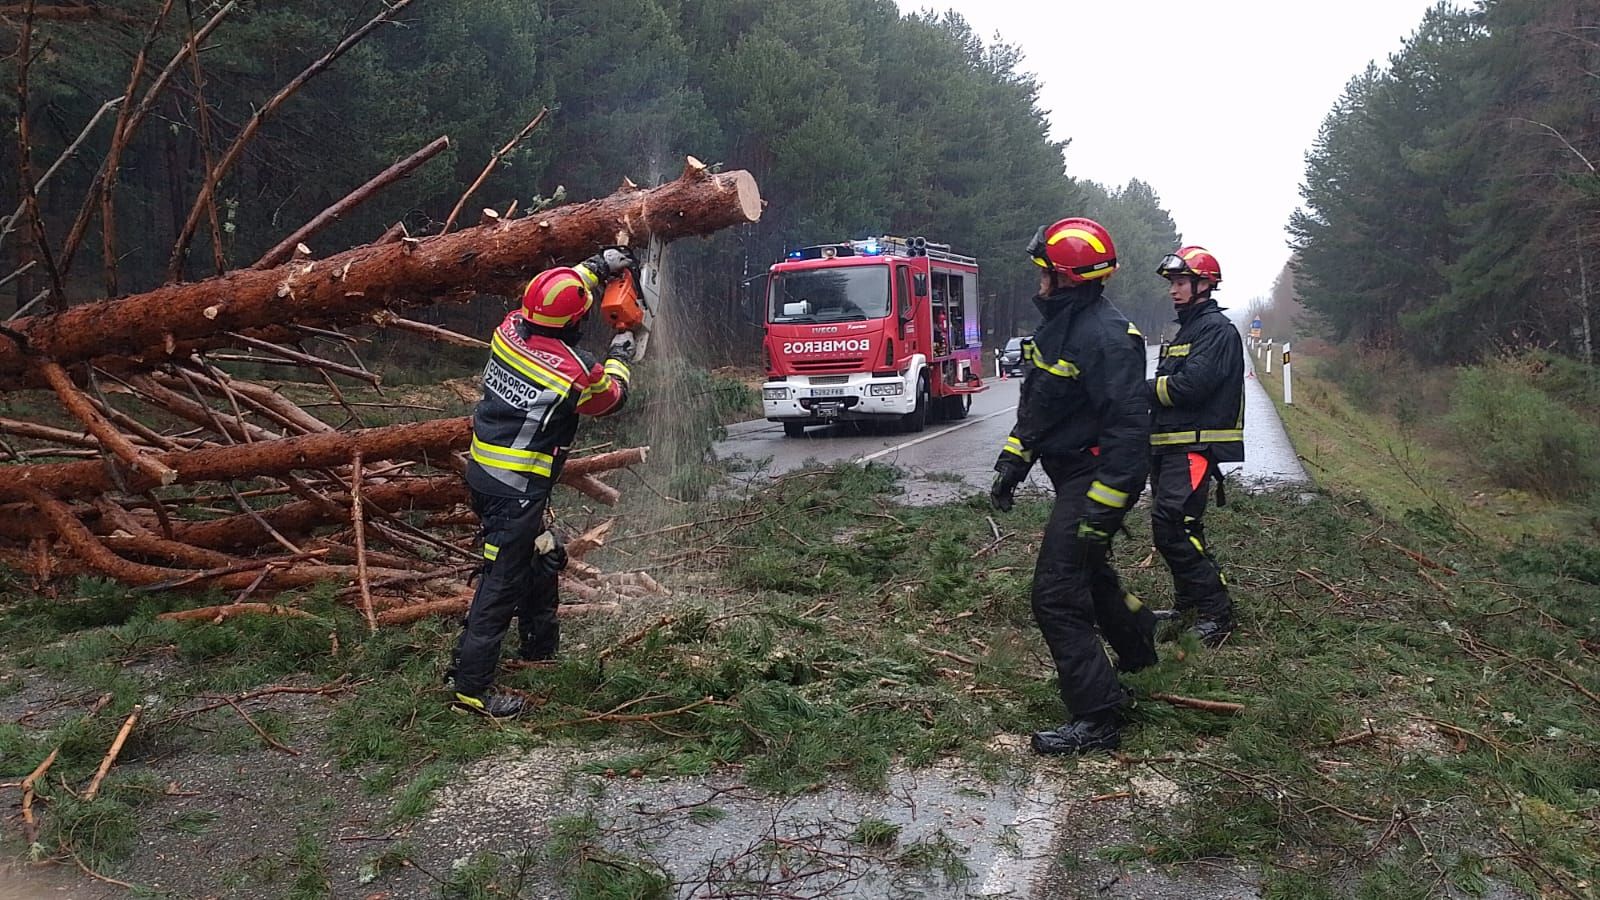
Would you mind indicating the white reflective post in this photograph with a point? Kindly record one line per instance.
(997, 365)
(1269, 357)
(1288, 386)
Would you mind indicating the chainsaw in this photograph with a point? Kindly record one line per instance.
(631, 300)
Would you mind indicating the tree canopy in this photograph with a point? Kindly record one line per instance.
(1452, 199)
(855, 119)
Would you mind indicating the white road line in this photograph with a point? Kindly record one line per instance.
(928, 437)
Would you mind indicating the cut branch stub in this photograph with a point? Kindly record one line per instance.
(350, 286)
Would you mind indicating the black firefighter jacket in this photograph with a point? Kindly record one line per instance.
(535, 387)
(1197, 396)
(1083, 400)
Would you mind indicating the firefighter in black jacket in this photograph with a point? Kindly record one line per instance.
(1083, 415)
(1197, 398)
(537, 383)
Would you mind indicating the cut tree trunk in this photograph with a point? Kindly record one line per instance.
(350, 286)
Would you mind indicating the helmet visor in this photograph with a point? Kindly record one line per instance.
(1173, 264)
(1036, 249)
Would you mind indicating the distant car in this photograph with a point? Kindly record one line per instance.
(1011, 359)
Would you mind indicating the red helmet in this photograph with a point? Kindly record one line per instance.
(556, 298)
(1192, 260)
(1079, 249)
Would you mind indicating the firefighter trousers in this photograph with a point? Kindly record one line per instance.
(1181, 483)
(511, 582)
(1077, 598)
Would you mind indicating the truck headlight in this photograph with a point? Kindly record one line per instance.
(886, 390)
(777, 393)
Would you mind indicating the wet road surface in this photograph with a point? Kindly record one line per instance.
(951, 459)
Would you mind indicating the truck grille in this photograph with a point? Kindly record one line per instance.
(829, 365)
(829, 379)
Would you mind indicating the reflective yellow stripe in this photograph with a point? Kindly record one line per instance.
(491, 552)
(1087, 237)
(1197, 545)
(511, 459)
(599, 387)
(1134, 330)
(1133, 603)
(1174, 350)
(1060, 367)
(554, 289)
(1014, 446)
(1106, 495)
(1103, 273)
(541, 375)
(618, 368)
(1163, 392)
(590, 279)
(1176, 438)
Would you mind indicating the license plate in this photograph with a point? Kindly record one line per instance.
(827, 392)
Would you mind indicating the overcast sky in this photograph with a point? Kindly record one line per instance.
(1252, 80)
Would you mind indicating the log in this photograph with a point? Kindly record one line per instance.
(349, 287)
(388, 319)
(299, 517)
(109, 437)
(37, 432)
(595, 488)
(457, 605)
(421, 440)
(93, 555)
(360, 195)
(217, 614)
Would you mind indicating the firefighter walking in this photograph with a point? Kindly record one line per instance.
(536, 385)
(1197, 421)
(1083, 415)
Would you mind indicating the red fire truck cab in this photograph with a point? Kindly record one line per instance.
(881, 329)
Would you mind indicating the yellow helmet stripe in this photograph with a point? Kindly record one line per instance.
(1085, 236)
(556, 287)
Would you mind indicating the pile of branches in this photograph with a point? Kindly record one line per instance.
(166, 468)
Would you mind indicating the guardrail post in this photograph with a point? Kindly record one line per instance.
(1288, 386)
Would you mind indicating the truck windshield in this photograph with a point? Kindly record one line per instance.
(829, 295)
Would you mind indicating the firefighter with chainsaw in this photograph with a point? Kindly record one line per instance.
(1197, 399)
(1084, 417)
(537, 383)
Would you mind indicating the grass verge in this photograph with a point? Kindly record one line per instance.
(1420, 708)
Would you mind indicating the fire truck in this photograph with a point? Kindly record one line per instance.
(882, 329)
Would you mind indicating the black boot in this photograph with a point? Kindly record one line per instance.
(1212, 632)
(1100, 732)
(495, 706)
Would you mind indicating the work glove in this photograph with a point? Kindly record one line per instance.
(552, 554)
(623, 347)
(610, 261)
(1097, 528)
(1010, 471)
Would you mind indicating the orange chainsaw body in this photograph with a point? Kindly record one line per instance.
(620, 305)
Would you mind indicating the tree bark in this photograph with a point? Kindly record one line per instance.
(422, 440)
(351, 286)
(299, 517)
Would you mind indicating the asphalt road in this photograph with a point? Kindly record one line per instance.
(950, 459)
